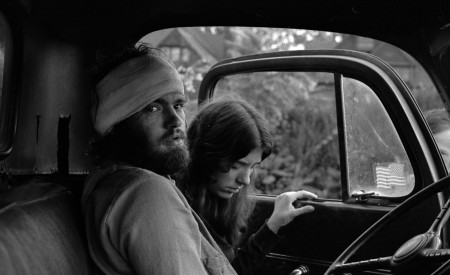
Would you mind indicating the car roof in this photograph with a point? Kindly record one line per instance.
(103, 21)
(420, 28)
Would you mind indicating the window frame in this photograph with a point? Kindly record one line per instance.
(375, 73)
(9, 106)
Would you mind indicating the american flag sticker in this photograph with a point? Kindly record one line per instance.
(389, 175)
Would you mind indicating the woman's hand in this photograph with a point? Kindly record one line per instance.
(284, 212)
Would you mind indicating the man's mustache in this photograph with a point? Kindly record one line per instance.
(176, 133)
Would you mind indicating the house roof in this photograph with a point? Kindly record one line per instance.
(211, 48)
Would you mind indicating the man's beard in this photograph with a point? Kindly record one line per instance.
(161, 157)
(170, 161)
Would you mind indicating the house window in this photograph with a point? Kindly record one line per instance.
(178, 54)
(186, 56)
(175, 54)
(172, 52)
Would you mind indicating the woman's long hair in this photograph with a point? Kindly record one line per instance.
(223, 132)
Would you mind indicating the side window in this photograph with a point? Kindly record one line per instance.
(3, 36)
(8, 99)
(376, 159)
(301, 107)
(301, 110)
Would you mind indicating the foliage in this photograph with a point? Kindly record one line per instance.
(306, 153)
(427, 97)
(303, 127)
(250, 40)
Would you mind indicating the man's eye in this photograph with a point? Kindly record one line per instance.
(234, 166)
(151, 109)
(179, 106)
(257, 166)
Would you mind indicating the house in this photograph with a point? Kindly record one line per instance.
(195, 49)
(187, 46)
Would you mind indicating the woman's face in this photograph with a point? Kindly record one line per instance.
(443, 142)
(229, 183)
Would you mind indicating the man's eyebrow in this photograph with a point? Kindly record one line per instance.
(181, 98)
(241, 162)
(159, 101)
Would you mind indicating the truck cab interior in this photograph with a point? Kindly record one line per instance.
(47, 49)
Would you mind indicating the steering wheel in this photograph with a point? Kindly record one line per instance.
(422, 251)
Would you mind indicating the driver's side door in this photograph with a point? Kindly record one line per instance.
(345, 127)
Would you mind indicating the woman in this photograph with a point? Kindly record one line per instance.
(439, 122)
(227, 140)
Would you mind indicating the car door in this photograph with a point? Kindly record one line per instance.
(345, 127)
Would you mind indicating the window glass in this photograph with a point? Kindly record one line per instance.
(3, 35)
(376, 159)
(301, 110)
(6, 106)
(209, 45)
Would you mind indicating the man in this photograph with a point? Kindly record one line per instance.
(137, 221)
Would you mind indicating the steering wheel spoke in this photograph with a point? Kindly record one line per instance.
(378, 263)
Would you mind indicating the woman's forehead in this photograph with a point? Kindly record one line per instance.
(253, 157)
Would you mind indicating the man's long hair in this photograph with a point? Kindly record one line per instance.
(223, 132)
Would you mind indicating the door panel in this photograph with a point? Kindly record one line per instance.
(316, 239)
(346, 128)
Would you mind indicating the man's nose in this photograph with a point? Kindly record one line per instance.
(245, 177)
(172, 118)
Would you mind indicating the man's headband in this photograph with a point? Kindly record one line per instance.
(130, 87)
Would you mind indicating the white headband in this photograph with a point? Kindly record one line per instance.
(130, 87)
